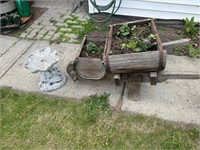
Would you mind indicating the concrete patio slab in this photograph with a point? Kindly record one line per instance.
(12, 54)
(6, 43)
(20, 78)
(174, 100)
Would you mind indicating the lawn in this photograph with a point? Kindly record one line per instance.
(30, 121)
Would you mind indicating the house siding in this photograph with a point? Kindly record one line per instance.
(163, 9)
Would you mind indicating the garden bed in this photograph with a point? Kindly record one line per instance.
(93, 47)
(134, 47)
(129, 38)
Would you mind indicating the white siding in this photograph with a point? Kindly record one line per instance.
(163, 9)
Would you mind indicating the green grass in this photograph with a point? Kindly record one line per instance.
(31, 121)
(179, 51)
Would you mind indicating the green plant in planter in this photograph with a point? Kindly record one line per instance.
(151, 37)
(130, 45)
(124, 30)
(15, 17)
(145, 44)
(193, 53)
(8, 20)
(93, 48)
(2, 18)
(190, 28)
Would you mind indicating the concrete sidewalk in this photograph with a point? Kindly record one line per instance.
(174, 100)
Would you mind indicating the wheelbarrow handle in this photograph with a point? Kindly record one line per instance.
(172, 44)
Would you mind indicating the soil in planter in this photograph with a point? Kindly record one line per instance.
(137, 32)
(89, 54)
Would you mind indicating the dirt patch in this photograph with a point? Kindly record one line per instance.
(168, 34)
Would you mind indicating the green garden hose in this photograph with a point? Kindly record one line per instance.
(101, 9)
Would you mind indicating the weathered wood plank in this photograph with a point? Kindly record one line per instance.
(134, 88)
(171, 44)
(133, 22)
(136, 62)
(163, 75)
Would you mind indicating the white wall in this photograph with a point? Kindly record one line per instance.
(163, 9)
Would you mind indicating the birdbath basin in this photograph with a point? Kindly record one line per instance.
(43, 61)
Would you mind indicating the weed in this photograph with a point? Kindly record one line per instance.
(178, 51)
(124, 30)
(73, 17)
(193, 52)
(93, 48)
(95, 107)
(190, 29)
(53, 21)
(87, 27)
(60, 39)
(62, 15)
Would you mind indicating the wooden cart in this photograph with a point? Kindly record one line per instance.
(134, 67)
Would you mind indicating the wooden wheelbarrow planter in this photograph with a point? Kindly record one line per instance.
(136, 62)
(142, 62)
(88, 67)
(133, 67)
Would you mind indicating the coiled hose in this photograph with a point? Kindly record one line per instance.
(101, 9)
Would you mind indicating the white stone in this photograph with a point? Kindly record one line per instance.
(42, 60)
(51, 80)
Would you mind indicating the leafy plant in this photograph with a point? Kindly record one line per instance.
(144, 44)
(193, 53)
(178, 51)
(14, 15)
(190, 28)
(124, 30)
(87, 27)
(93, 48)
(151, 37)
(131, 45)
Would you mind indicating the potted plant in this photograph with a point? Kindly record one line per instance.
(134, 47)
(15, 17)
(88, 63)
(10, 22)
(2, 18)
